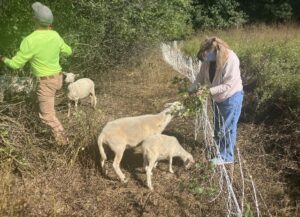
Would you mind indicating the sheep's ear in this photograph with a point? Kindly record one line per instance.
(76, 75)
(65, 73)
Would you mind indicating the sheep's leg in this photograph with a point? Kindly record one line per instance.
(103, 166)
(93, 99)
(69, 109)
(155, 165)
(116, 165)
(149, 174)
(170, 165)
(102, 153)
(76, 104)
(145, 162)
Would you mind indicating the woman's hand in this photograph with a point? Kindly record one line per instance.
(202, 91)
(199, 92)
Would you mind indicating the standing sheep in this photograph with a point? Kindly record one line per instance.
(79, 89)
(130, 131)
(159, 147)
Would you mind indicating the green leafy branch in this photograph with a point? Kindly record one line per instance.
(192, 102)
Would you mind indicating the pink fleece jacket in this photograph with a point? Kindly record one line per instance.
(227, 80)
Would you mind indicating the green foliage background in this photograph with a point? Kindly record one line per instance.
(217, 14)
(110, 33)
(103, 33)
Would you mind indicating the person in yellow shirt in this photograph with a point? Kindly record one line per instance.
(42, 48)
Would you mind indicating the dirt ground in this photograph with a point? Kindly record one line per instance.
(67, 181)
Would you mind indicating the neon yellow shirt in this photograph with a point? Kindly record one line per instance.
(42, 49)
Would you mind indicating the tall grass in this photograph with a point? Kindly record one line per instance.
(270, 64)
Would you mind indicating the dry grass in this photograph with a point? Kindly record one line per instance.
(245, 37)
(66, 181)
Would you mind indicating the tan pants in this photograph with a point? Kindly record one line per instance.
(47, 88)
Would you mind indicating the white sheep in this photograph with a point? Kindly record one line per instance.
(79, 89)
(159, 147)
(130, 131)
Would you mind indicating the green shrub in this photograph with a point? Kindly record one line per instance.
(270, 10)
(103, 33)
(275, 66)
(217, 14)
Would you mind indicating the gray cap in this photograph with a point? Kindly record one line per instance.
(42, 13)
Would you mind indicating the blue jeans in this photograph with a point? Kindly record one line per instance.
(226, 117)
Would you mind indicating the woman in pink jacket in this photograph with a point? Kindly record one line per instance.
(220, 71)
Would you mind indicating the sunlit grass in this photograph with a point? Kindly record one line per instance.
(251, 36)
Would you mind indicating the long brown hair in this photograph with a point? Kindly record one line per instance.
(217, 44)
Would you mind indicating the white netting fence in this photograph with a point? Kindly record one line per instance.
(233, 192)
(183, 64)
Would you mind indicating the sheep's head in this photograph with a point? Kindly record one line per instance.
(70, 77)
(174, 108)
(189, 161)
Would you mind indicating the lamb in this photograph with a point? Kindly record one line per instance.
(158, 147)
(131, 131)
(79, 89)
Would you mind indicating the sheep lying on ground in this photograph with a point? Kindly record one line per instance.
(131, 131)
(79, 89)
(158, 147)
